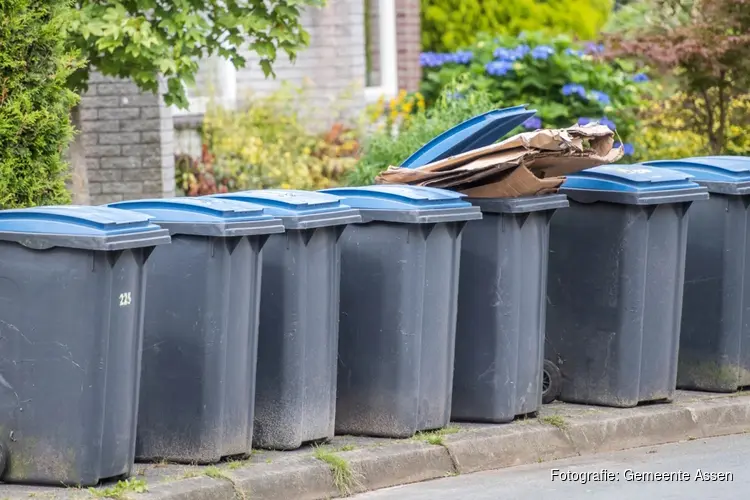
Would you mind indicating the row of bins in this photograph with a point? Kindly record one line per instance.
(193, 329)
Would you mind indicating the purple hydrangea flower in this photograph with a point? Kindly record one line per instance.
(585, 121)
(574, 52)
(601, 97)
(532, 123)
(498, 68)
(594, 48)
(573, 89)
(640, 78)
(628, 149)
(542, 52)
(431, 60)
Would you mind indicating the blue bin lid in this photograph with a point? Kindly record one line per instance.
(476, 132)
(83, 227)
(205, 216)
(408, 204)
(632, 184)
(298, 209)
(720, 174)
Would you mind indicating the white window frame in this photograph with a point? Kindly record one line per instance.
(227, 83)
(388, 87)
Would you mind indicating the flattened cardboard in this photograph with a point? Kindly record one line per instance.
(526, 164)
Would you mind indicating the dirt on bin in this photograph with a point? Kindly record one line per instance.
(527, 164)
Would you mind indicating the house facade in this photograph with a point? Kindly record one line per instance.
(359, 49)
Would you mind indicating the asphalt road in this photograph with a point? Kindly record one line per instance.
(728, 455)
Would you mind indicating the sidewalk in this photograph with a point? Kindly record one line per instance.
(348, 464)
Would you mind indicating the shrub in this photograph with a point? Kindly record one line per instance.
(668, 133)
(34, 102)
(386, 146)
(564, 82)
(267, 144)
(448, 25)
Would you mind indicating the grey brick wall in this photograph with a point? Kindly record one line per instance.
(333, 65)
(128, 141)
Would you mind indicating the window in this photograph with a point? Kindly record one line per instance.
(381, 49)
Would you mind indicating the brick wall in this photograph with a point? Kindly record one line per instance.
(333, 65)
(127, 138)
(409, 44)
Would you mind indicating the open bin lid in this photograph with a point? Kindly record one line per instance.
(407, 204)
(206, 216)
(633, 185)
(477, 132)
(299, 209)
(83, 227)
(720, 174)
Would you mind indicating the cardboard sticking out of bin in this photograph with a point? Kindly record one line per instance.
(531, 163)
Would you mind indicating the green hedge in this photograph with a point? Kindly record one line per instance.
(35, 103)
(448, 25)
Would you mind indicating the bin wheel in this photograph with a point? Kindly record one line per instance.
(551, 382)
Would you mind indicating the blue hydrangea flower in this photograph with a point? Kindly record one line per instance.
(574, 89)
(640, 78)
(431, 60)
(514, 54)
(594, 48)
(460, 57)
(532, 123)
(498, 68)
(628, 149)
(574, 52)
(601, 97)
(437, 59)
(585, 121)
(455, 96)
(542, 52)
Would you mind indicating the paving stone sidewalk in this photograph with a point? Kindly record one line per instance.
(350, 465)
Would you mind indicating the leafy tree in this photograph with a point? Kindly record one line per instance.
(704, 45)
(34, 102)
(143, 39)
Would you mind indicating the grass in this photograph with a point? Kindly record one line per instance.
(555, 420)
(215, 472)
(121, 489)
(436, 437)
(344, 478)
(348, 447)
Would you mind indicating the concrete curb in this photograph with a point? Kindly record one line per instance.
(561, 431)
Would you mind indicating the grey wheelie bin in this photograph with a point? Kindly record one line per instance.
(715, 333)
(71, 326)
(501, 309)
(201, 329)
(616, 271)
(296, 380)
(399, 287)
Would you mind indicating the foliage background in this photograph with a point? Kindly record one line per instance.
(449, 25)
(34, 102)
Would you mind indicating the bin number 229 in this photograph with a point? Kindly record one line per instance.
(125, 299)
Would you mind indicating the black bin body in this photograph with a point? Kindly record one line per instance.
(71, 326)
(299, 319)
(715, 332)
(399, 288)
(201, 329)
(616, 271)
(501, 309)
